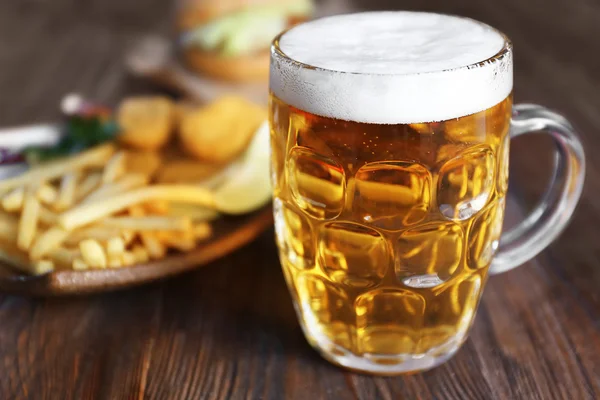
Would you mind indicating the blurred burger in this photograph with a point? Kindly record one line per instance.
(230, 39)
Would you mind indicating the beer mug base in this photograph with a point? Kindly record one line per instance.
(382, 364)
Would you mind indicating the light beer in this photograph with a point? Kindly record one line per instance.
(389, 184)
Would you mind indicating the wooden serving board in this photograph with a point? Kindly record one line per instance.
(230, 233)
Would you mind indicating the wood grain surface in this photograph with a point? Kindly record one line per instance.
(228, 331)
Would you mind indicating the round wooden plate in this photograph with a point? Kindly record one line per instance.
(230, 233)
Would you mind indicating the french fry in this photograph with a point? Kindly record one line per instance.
(63, 257)
(183, 241)
(47, 242)
(8, 216)
(93, 211)
(186, 171)
(9, 227)
(88, 185)
(19, 260)
(154, 247)
(142, 162)
(141, 254)
(47, 217)
(202, 231)
(13, 201)
(47, 194)
(10, 254)
(28, 221)
(96, 232)
(150, 223)
(115, 262)
(44, 266)
(80, 265)
(159, 207)
(115, 247)
(114, 168)
(66, 193)
(128, 236)
(137, 211)
(162, 235)
(128, 258)
(197, 214)
(92, 253)
(95, 157)
(127, 182)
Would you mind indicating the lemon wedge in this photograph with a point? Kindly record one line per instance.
(248, 186)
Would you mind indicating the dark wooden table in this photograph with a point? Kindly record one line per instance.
(228, 331)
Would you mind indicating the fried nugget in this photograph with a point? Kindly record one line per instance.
(146, 122)
(222, 130)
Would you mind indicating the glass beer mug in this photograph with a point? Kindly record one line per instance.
(390, 136)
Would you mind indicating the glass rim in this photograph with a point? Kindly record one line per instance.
(505, 50)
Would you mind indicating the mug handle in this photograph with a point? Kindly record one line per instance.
(550, 216)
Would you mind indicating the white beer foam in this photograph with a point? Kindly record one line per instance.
(392, 67)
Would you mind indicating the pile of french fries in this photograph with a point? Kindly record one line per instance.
(121, 203)
(94, 211)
